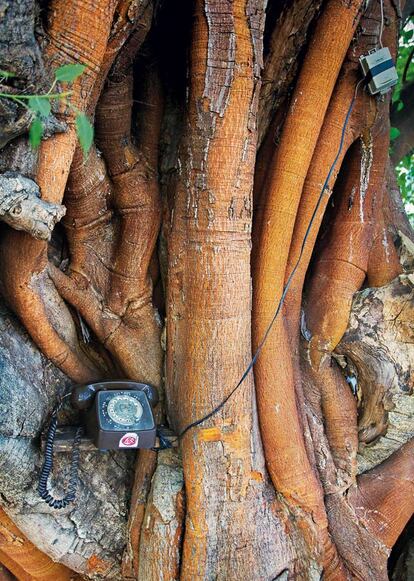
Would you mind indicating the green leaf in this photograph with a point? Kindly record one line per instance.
(6, 74)
(68, 73)
(84, 130)
(400, 106)
(35, 133)
(394, 133)
(40, 105)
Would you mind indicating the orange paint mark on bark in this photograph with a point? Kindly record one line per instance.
(255, 475)
(97, 565)
(228, 434)
(213, 434)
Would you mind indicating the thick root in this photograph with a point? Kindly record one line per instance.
(24, 560)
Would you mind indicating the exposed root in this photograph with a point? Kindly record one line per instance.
(385, 499)
(342, 264)
(78, 32)
(323, 158)
(112, 236)
(24, 261)
(136, 195)
(130, 27)
(283, 440)
(30, 292)
(280, 66)
(315, 516)
(333, 403)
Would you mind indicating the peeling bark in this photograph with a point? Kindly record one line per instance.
(377, 347)
(88, 537)
(163, 522)
(22, 209)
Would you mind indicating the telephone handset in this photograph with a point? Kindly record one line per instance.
(116, 415)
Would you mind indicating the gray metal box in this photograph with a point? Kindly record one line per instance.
(379, 71)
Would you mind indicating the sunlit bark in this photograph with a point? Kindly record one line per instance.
(307, 469)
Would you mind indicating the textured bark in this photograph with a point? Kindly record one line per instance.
(282, 59)
(315, 480)
(21, 55)
(28, 287)
(144, 469)
(163, 521)
(284, 444)
(226, 483)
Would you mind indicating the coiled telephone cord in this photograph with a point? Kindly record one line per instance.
(48, 466)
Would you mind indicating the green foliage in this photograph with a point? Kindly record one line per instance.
(84, 130)
(405, 59)
(6, 74)
(35, 132)
(41, 105)
(405, 176)
(405, 69)
(68, 73)
(394, 133)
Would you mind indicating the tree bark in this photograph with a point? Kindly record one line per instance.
(213, 120)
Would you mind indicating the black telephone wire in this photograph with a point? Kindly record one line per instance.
(47, 467)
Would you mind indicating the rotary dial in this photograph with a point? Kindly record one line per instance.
(125, 410)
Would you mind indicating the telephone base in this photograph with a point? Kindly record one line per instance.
(65, 435)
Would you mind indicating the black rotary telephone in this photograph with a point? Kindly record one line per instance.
(116, 415)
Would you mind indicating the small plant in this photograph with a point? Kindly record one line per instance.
(40, 106)
(405, 68)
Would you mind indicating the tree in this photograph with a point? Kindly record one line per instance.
(223, 132)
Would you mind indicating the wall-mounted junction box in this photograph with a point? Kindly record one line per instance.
(379, 71)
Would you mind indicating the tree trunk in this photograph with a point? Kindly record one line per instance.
(237, 159)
